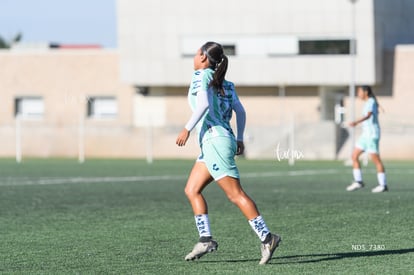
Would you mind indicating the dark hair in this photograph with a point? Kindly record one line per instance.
(368, 89)
(218, 62)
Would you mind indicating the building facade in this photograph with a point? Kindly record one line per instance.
(63, 103)
(293, 63)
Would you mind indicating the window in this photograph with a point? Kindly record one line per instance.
(229, 49)
(324, 47)
(190, 44)
(29, 107)
(102, 107)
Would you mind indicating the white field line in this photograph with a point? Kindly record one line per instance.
(292, 173)
(46, 181)
(9, 181)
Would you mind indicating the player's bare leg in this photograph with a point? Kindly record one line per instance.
(235, 193)
(199, 178)
(382, 182)
(357, 183)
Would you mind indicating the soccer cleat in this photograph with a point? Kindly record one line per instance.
(380, 189)
(200, 249)
(268, 248)
(355, 186)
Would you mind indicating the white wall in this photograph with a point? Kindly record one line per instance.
(152, 33)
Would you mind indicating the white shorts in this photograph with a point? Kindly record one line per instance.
(218, 155)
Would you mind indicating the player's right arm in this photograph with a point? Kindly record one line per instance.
(356, 122)
(198, 113)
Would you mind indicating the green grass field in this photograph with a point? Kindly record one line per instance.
(128, 217)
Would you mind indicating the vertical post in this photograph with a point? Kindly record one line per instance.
(81, 138)
(282, 95)
(292, 141)
(352, 75)
(18, 139)
(365, 159)
(149, 140)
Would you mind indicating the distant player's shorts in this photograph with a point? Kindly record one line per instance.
(218, 155)
(369, 145)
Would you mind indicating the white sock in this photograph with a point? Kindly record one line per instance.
(203, 225)
(357, 175)
(259, 226)
(382, 180)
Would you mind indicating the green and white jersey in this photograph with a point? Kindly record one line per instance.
(212, 111)
(371, 127)
(216, 123)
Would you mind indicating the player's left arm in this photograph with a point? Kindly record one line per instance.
(240, 124)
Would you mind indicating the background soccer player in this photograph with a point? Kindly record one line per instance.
(369, 141)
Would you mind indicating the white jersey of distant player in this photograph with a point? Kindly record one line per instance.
(370, 126)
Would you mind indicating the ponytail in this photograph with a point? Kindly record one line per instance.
(218, 62)
(219, 74)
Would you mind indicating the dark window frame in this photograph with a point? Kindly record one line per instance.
(325, 47)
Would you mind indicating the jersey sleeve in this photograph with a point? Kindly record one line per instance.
(199, 111)
(240, 120)
(201, 102)
(240, 116)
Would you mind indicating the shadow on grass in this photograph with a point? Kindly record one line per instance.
(315, 258)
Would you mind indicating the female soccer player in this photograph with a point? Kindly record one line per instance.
(369, 141)
(213, 99)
